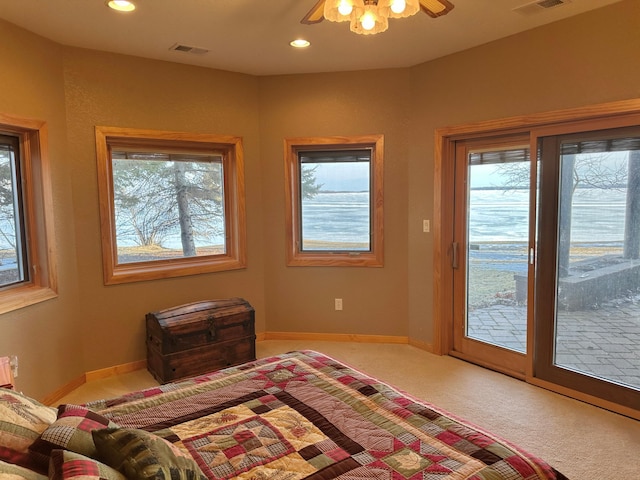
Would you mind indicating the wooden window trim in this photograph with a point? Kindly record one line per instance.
(295, 256)
(234, 204)
(38, 216)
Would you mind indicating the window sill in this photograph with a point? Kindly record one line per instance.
(137, 272)
(23, 296)
(316, 259)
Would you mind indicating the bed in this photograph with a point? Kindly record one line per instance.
(298, 415)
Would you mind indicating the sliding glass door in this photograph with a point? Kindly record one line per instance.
(491, 252)
(588, 285)
(543, 256)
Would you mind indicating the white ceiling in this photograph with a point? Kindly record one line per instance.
(252, 36)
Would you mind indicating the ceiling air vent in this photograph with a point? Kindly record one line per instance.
(539, 6)
(188, 49)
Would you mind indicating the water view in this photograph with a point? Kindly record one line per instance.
(495, 216)
(332, 218)
(502, 215)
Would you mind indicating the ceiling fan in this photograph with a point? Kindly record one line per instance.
(433, 8)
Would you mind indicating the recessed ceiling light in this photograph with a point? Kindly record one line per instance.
(299, 43)
(121, 5)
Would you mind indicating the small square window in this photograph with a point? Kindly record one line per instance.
(334, 206)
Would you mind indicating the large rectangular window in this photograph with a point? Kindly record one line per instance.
(334, 208)
(174, 204)
(27, 247)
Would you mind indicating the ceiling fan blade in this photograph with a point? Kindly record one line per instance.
(436, 8)
(315, 15)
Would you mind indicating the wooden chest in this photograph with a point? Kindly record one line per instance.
(200, 337)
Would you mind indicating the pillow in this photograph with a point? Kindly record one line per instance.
(9, 471)
(141, 455)
(22, 420)
(66, 465)
(71, 431)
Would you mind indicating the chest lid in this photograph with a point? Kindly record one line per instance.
(195, 317)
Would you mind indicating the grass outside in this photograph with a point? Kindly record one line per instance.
(150, 253)
(491, 270)
(491, 274)
(156, 252)
(491, 279)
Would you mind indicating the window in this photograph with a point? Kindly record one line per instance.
(172, 204)
(334, 203)
(27, 268)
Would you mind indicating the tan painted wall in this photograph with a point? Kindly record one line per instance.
(115, 90)
(44, 335)
(90, 326)
(301, 299)
(588, 59)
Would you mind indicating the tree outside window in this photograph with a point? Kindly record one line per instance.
(168, 206)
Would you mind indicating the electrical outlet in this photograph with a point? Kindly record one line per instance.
(426, 226)
(338, 303)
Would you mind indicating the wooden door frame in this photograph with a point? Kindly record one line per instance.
(495, 357)
(444, 151)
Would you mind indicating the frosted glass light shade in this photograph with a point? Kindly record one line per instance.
(395, 10)
(368, 20)
(341, 10)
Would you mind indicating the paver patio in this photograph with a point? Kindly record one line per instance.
(603, 342)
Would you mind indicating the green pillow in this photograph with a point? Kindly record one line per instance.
(141, 455)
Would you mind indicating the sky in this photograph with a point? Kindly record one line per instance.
(346, 176)
(354, 176)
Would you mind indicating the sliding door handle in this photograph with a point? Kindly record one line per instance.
(454, 255)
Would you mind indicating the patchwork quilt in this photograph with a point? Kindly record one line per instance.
(306, 415)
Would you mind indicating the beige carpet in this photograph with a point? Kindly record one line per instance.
(581, 441)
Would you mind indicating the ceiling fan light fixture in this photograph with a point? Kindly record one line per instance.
(368, 17)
